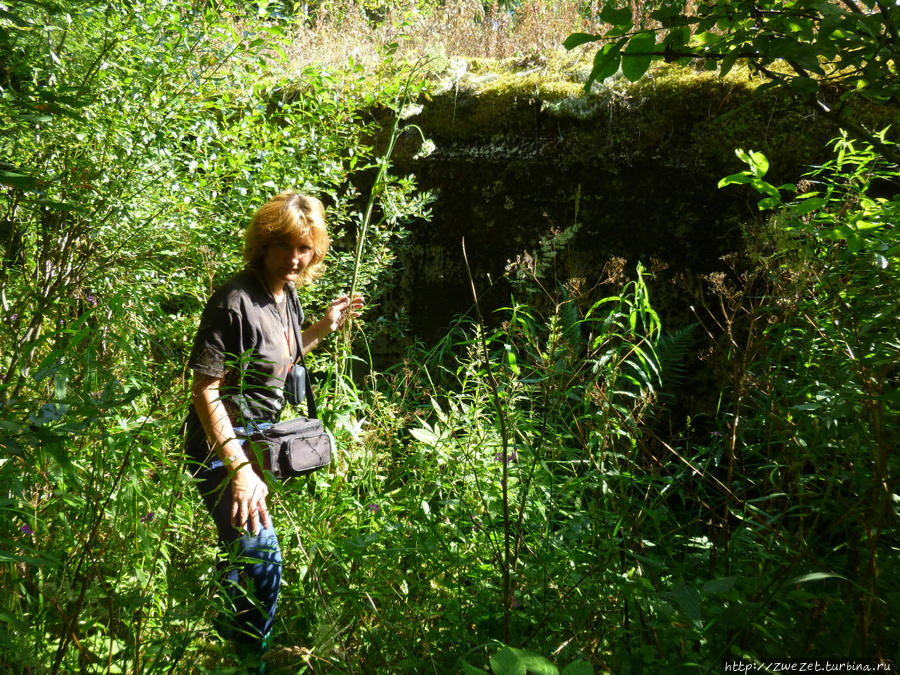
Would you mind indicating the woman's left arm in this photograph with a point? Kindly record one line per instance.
(335, 316)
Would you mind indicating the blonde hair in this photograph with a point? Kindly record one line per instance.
(287, 216)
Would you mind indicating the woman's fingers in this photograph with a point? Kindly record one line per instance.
(249, 503)
(344, 301)
(251, 514)
(341, 309)
(346, 305)
(242, 512)
(357, 302)
(260, 507)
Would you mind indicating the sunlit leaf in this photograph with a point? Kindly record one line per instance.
(815, 576)
(507, 662)
(637, 55)
(606, 63)
(577, 39)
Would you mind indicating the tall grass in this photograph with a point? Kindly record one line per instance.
(468, 29)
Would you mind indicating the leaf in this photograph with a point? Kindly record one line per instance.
(578, 668)
(507, 662)
(638, 55)
(815, 576)
(537, 664)
(469, 669)
(17, 180)
(705, 39)
(442, 416)
(766, 189)
(688, 601)
(758, 164)
(511, 359)
(808, 58)
(621, 18)
(578, 39)
(727, 63)
(426, 436)
(827, 8)
(767, 203)
(804, 206)
(667, 15)
(735, 179)
(606, 63)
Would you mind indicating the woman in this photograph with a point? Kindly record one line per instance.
(242, 353)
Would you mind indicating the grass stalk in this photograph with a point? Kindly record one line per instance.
(504, 441)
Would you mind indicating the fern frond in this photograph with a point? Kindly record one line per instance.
(672, 352)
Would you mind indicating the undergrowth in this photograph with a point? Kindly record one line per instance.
(516, 496)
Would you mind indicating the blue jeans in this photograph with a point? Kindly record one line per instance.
(250, 570)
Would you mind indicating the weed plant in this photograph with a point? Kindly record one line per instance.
(480, 501)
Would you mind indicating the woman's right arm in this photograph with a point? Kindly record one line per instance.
(248, 490)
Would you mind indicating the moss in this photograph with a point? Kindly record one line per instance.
(531, 83)
(682, 117)
(516, 139)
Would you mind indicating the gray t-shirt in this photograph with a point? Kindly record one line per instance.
(248, 341)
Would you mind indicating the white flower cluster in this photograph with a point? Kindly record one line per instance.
(427, 148)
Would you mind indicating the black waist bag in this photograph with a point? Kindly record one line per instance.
(293, 447)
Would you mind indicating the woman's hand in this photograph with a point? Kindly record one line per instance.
(249, 494)
(337, 313)
(341, 309)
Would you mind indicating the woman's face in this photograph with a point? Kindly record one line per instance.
(286, 259)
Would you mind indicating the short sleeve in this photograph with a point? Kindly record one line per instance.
(219, 338)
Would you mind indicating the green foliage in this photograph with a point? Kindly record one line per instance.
(817, 388)
(510, 482)
(137, 141)
(511, 661)
(418, 525)
(808, 46)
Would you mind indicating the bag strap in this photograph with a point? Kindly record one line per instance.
(294, 304)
